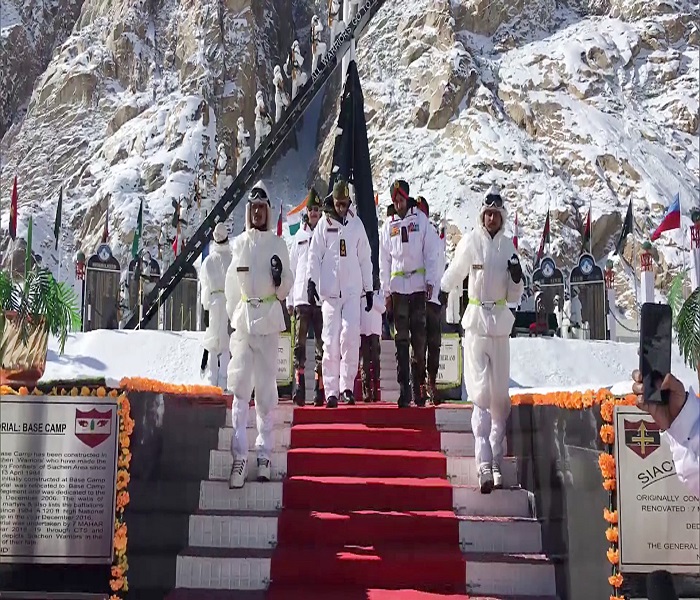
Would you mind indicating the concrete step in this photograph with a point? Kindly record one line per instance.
(260, 531)
(314, 592)
(268, 496)
(246, 569)
(452, 443)
(461, 470)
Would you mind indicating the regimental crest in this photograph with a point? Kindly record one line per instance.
(394, 231)
(93, 427)
(413, 227)
(642, 437)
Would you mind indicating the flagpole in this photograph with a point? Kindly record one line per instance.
(634, 263)
(590, 233)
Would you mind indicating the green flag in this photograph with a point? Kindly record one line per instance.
(28, 259)
(137, 234)
(57, 220)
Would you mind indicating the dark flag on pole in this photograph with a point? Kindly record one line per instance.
(627, 228)
(543, 242)
(586, 242)
(351, 160)
(57, 220)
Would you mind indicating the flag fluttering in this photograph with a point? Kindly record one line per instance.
(516, 232)
(13, 210)
(586, 240)
(543, 242)
(136, 243)
(627, 228)
(671, 220)
(57, 220)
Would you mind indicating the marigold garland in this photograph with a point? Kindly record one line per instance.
(119, 582)
(143, 384)
(606, 462)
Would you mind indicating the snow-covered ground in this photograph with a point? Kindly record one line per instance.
(174, 357)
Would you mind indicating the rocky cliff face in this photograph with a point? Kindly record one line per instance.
(133, 105)
(565, 106)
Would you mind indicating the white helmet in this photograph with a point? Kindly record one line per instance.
(278, 70)
(241, 122)
(493, 200)
(314, 19)
(259, 95)
(295, 45)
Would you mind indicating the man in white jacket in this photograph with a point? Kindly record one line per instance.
(408, 276)
(298, 305)
(490, 260)
(339, 273)
(257, 280)
(213, 277)
(433, 309)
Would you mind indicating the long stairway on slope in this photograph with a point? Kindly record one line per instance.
(253, 169)
(367, 502)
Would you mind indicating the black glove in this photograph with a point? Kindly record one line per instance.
(514, 268)
(312, 294)
(442, 297)
(276, 270)
(370, 301)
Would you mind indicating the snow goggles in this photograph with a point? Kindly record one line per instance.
(256, 194)
(493, 201)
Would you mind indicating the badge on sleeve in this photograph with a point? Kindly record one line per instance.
(343, 249)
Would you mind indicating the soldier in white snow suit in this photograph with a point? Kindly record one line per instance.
(212, 277)
(433, 309)
(293, 68)
(408, 276)
(220, 165)
(298, 305)
(263, 120)
(257, 281)
(576, 310)
(370, 347)
(339, 272)
(490, 260)
(335, 19)
(242, 148)
(318, 48)
(281, 97)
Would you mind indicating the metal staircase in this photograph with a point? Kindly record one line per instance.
(253, 169)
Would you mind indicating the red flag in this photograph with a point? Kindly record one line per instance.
(544, 241)
(671, 220)
(279, 223)
(13, 210)
(515, 232)
(176, 241)
(376, 199)
(105, 230)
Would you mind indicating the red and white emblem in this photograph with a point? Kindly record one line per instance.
(93, 427)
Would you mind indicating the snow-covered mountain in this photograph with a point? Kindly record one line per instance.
(565, 105)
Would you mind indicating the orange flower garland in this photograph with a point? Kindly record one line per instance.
(119, 582)
(143, 384)
(606, 462)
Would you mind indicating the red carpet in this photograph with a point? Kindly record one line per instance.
(367, 509)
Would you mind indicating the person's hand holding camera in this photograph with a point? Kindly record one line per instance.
(663, 414)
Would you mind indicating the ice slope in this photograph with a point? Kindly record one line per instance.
(175, 358)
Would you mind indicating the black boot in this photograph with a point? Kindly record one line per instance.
(367, 389)
(299, 392)
(332, 402)
(433, 393)
(417, 391)
(348, 398)
(319, 396)
(403, 375)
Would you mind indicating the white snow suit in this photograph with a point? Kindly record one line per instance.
(318, 48)
(263, 121)
(293, 69)
(252, 302)
(298, 262)
(216, 337)
(340, 264)
(243, 152)
(281, 98)
(408, 263)
(371, 321)
(487, 323)
(575, 311)
(440, 245)
(335, 20)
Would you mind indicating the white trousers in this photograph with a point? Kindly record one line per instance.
(280, 105)
(253, 366)
(341, 344)
(298, 82)
(320, 51)
(241, 161)
(217, 368)
(487, 378)
(262, 130)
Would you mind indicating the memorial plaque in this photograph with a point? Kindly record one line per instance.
(284, 359)
(449, 370)
(659, 517)
(57, 479)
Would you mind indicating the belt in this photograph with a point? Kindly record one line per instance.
(255, 302)
(487, 305)
(420, 271)
(216, 292)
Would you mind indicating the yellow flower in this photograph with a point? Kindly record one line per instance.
(124, 460)
(100, 392)
(116, 584)
(615, 580)
(613, 555)
(85, 391)
(74, 391)
(123, 479)
(23, 391)
(122, 499)
(117, 572)
(124, 440)
(37, 392)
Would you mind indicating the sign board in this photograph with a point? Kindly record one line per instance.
(659, 518)
(285, 364)
(102, 275)
(450, 369)
(57, 479)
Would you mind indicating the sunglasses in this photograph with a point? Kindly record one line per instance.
(494, 201)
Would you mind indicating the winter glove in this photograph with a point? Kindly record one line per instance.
(442, 297)
(370, 301)
(276, 270)
(514, 268)
(312, 294)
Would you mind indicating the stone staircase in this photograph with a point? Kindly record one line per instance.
(366, 502)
